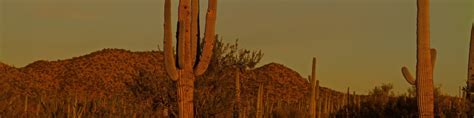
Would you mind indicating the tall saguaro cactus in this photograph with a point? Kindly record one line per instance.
(425, 63)
(190, 63)
(470, 70)
(314, 91)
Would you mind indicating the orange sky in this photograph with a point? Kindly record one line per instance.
(358, 44)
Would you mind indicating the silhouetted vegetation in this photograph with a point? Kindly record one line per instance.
(116, 82)
(382, 102)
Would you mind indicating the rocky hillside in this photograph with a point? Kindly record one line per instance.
(99, 74)
(139, 78)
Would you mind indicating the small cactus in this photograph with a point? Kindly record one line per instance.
(314, 91)
(347, 97)
(237, 95)
(260, 106)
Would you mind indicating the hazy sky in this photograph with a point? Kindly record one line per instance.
(358, 43)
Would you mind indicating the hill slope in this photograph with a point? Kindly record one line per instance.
(139, 80)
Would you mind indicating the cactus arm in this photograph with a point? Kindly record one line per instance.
(182, 25)
(168, 44)
(187, 34)
(406, 73)
(209, 39)
(433, 53)
(194, 30)
(187, 47)
(181, 47)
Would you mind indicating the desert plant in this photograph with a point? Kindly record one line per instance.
(191, 62)
(470, 76)
(229, 54)
(260, 106)
(470, 71)
(227, 61)
(425, 63)
(314, 91)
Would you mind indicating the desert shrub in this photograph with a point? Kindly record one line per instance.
(215, 96)
(382, 102)
(229, 54)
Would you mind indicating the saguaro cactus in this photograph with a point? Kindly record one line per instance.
(191, 62)
(237, 94)
(259, 113)
(470, 72)
(314, 90)
(425, 63)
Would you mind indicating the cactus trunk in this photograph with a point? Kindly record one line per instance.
(185, 97)
(424, 66)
